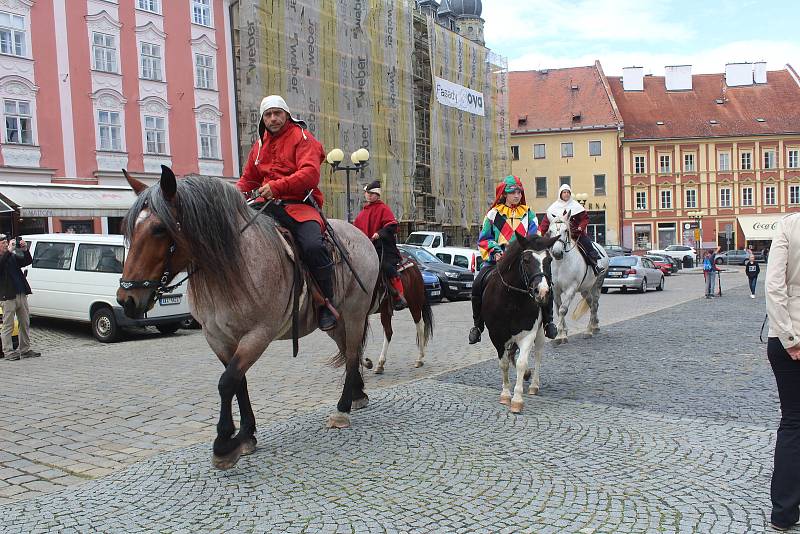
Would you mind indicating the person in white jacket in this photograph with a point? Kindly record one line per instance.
(783, 350)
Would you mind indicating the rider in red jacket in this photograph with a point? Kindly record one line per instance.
(578, 222)
(284, 164)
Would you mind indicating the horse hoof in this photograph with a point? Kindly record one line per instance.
(505, 399)
(533, 391)
(527, 376)
(338, 420)
(516, 406)
(360, 404)
(367, 363)
(223, 463)
(595, 330)
(588, 335)
(418, 364)
(248, 446)
(378, 370)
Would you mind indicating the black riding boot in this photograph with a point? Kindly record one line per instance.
(325, 319)
(477, 319)
(550, 330)
(591, 253)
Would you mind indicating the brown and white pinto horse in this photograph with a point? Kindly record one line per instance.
(241, 289)
(414, 291)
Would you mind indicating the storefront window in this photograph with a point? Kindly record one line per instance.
(642, 236)
(33, 225)
(597, 227)
(667, 234)
(77, 227)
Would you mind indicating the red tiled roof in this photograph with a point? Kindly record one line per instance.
(686, 114)
(549, 101)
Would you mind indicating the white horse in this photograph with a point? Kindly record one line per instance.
(572, 276)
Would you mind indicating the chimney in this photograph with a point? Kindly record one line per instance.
(678, 77)
(737, 74)
(633, 78)
(760, 72)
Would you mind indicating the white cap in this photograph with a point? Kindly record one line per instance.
(273, 101)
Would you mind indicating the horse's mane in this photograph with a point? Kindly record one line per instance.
(207, 220)
(515, 249)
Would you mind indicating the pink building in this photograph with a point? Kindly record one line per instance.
(89, 87)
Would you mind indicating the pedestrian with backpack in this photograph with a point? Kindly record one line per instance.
(710, 271)
(751, 269)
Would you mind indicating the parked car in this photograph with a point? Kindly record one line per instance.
(660, 263)
(737, 257)
(456, 282)
(14, 334)
(437, 244)
(679, 252)
(617, 250)
(433, 288)
(76, 277)
(632, 272)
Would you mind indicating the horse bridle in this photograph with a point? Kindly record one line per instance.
(567, 248)
(529, 281)
(160, 284)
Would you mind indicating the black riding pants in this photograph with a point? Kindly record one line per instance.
(588, 247)
(313, 252)
(785, 489)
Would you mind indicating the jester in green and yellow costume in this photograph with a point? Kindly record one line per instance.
(508, 217)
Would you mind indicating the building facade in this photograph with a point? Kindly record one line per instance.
(713, 156)
(93, 86)
(565, 129)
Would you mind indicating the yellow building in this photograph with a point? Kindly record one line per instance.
(565, 129)
(718, 151)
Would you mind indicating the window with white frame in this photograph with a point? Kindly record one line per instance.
(19, 122)
(109, 129)
(666, 199)
(769, 195)
(747, 196)
(664, 164)
(724, 161)
(688, 163)
(149, 5)
(639, 164)
(641, 200)
(746, 162)
(691, 198)
(209, 142)
(204, 72)
(12, 34)
(595, 148)
(201, 12)
(566, 150)
(794, 194)
(104, 50)
(725, 197)
(770, 161)
(793, 159)
(538, 151)
(155, 135)
(515, 152)
(151, 62)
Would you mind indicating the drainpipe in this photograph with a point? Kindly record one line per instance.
(620, 188)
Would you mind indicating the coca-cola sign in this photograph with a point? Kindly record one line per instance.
(764, 225)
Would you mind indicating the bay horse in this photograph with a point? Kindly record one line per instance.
(418, 305)
(512, 299)
(241, 288)
(573, 276)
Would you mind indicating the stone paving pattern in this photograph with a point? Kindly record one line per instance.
(671, 434)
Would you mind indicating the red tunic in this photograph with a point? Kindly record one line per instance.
(375, 216)
(289, 162)
(577, 224)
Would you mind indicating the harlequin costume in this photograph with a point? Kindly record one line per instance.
(289, 161)
(501, 226)
(377, 218)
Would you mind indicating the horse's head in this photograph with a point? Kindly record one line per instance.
(533, 251)
(155, 253)
(559, 228)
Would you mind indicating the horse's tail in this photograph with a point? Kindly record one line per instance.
(340, 358)
(427, 320)
(580, 309)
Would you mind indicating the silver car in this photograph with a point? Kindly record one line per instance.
(632, 272)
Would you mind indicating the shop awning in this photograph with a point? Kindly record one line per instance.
(4, 208)
(57, 200)
(759, 227)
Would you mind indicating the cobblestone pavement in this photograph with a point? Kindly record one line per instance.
(662, 423)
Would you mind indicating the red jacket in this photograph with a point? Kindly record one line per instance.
(374, 217)
(577, 224)
(289, 162)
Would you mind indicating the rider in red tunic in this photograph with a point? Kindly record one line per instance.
(578, 221)
(378, 223)
(284, 164)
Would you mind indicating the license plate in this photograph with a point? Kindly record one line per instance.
(435, 293)
(613, 274)
(467, 284)
(454, 288)
(166, 301)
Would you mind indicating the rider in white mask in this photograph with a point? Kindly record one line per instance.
(578, 221)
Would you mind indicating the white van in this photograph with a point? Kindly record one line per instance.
(76, 276)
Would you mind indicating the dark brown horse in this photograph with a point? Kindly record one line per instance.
(414, 291)
(241, 289)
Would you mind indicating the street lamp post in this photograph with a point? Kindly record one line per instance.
(360, 160)
(697, 216)
(582, 198)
